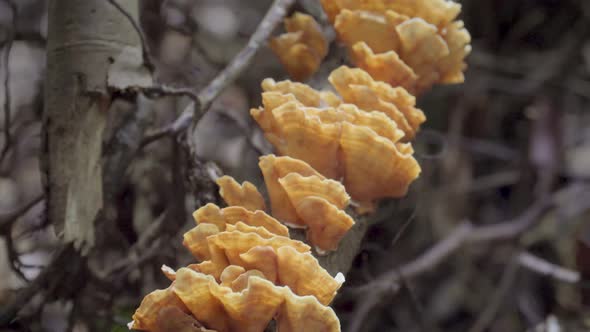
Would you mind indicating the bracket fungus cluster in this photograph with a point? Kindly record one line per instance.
(410, 43)
(333, 149)
(250, 271)
(359, 139)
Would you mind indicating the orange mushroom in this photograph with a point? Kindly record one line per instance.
(245, 195)
(414, 44)
(146, 316)
(357, 87)
(302, 49)
(375, 167)
(226, 247)
(273, 168)
(251, 308)
(212, 214)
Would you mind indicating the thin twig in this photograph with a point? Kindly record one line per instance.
(239, 63)
(424, 321)
(402, 229)
(147, 57)
(15, 263)
(462, 234)
(157, 91)
(546, 268)
(66, 256)
(7, 219)
(7, 96)
(486, 317)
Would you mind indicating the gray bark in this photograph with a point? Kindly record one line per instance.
(84, 38)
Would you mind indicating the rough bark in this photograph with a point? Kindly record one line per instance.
(84, 39)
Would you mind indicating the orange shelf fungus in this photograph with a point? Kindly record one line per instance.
(146, 316)
(354, 144)
(286, 266)
(212, 214)
(303, 93)
(273, 168)
(357, 87)
(223, 309)
(245, 195)
(413, 44)
(195, 240)
(376, 168)
(302, 135)
(385, 67)
(437, 12)
(172, 319)
(347, 142)
(245, 301)
(296, 106)
(318, 204)
(302, 49)
(226, 247)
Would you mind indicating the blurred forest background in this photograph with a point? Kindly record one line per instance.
(510, 147)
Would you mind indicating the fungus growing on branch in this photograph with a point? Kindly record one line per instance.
(376, 167)
(414, 44)
(212, 214)
(302, 49)
(363, 149)
(273, 168)
(357, 87)
(356, 142)
(243, 301)
(245, 195)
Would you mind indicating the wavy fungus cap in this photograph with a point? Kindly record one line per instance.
(250, 308)
(301, 134)
(226, 247)
(437, 12)
(358, 87)
(409, 43)
(376, 167)
(286, 266)
(212, 214)
(245, 195)
(273, 168)
(319, 204)
(302, 49)
(146, 316)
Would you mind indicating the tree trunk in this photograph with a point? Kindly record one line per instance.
(84, 38)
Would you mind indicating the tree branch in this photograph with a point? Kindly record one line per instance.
(546, 268)
(206, 96)
(463, 234)
(8, 219)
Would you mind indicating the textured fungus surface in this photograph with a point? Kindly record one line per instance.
(334, 148)
(413, 44)
(302, 48)
(245, 195)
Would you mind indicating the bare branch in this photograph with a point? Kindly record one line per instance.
(8, 219)
(546, 268)
(487, 316)
(273, 17)
(65, 266)
(461, 235)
